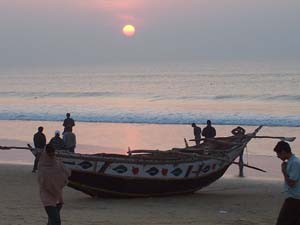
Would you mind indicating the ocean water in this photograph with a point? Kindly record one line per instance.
(226, 93)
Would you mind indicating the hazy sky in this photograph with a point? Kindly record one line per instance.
(66, 32)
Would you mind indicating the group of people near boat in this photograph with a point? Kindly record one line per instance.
(290, 168)
(208, 132)
(66, 143)
(53, 176)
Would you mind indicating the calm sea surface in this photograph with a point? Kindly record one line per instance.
(226, 93)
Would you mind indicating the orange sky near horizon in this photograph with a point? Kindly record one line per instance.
(73, 31)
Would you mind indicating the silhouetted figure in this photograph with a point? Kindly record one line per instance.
(197, 133)
(69, 123)
(239, 131)
(57, 142)
(209, 131)
(39, 141)
(69, 139)
(290, 168)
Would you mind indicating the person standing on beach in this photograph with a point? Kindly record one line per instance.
(57, 142)
(39, 141)
(69, 123)
(197, 133)
(69, 139)
(290, 168)
(209, 131)
(52, 177)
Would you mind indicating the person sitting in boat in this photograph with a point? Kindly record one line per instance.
(57, 142)
(238, 131)
(39, 141)
(69, 139)
(209, 131)
(69, 123)
(197, 133)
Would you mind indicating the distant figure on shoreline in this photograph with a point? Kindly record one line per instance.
(290, 168)
(197, 133)
(69, 139)
(209, 131)
(52, 177)
(57, 142)
(69, 123)
(39, 141)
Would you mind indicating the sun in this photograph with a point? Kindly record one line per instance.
(129, 30)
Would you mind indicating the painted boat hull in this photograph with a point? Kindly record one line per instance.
(157, 173)
(98, 185)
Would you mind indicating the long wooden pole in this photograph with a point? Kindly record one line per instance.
(251, 167)
(13, 147)
(218, 139)
(289, 139)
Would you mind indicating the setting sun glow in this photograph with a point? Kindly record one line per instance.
(128, 30)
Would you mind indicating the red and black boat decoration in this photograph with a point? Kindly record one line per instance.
(144, 173)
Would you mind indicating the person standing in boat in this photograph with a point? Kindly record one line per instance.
(290, 168)
(209, 131)
(52, 177)
(240, 132)
(69, 139)
(69, 123)
(57, 142)
(197, 133)
(39, 141)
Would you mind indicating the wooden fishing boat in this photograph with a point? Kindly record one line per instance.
(144, 173)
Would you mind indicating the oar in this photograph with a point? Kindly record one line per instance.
(13, 147)
(251, 167)
(290, 139)
(145, 151)
(202, 139)
(215, 140)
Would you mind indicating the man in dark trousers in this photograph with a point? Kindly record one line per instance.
(290, 168)
(69, 123)
(39, 141)
(197, 133)
(209, 131)
(69, 139)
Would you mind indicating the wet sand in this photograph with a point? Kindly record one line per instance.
(117, 138)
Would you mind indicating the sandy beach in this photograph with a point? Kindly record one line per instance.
(230, 201)
(254, 199)
(134, 75)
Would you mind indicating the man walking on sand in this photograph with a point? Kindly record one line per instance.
(290, 167)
